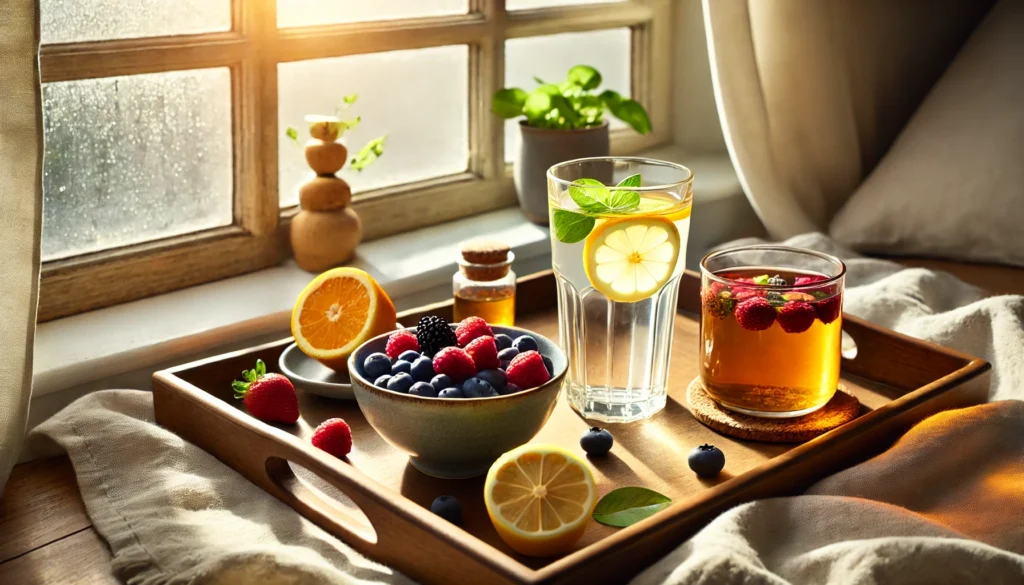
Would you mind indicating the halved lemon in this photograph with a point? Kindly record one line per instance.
(337, 312)
(539, 498)
(629, 259)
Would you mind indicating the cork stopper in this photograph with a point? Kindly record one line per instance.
(485, 259)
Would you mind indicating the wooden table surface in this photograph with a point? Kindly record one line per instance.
(45, 535)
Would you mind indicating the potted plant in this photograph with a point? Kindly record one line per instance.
(562, 121)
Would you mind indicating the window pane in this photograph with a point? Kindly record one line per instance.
(133, 159)
(419, 98)
(67, 21)
(319, 12)
(550, 57)
(527, 4)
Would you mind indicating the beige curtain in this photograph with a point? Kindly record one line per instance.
(21, 155)
(811, 93)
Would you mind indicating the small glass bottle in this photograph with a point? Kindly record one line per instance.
(485, 285)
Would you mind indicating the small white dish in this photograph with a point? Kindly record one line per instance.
(311, 376)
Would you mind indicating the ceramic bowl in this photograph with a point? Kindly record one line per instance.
(455, 438)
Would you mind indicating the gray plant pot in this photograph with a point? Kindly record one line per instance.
(540, 149)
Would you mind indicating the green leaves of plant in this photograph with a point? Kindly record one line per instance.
(508, 103)
(584, 76)
(594, 199)
(366, 156)
(569, 104)
(627, 506)
(292, 134)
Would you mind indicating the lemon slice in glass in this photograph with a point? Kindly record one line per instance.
(629, 259)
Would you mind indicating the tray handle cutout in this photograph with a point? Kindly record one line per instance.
(307, 497)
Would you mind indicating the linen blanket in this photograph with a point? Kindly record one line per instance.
(944, 505)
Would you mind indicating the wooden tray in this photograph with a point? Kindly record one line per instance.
(379, 504)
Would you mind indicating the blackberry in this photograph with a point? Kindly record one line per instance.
(433, 334)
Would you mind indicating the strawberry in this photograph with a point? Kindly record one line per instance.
(399, 341)
(484, 351)
(455, 363)
(796, 317)
(333, 436)
(828, 310)
(755, 314)
(527, 370)
(472, 328)
(268, 397)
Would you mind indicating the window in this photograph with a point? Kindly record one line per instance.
(166, 163)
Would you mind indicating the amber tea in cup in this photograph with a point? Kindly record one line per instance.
(771, 329)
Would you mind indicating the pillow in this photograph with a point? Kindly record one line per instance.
(952, 184)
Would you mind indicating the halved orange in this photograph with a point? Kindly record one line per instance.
(337, 312)
(539, 498)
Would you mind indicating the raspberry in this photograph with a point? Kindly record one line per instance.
(755, 314)
(829, 309)
(470, 329)
(455, 363)
(399, 341)
(484, 351)
(434, 333)
(805, 280)
(527, 370)
(742, 293)
(716, 305)
(796, 317)
(334, 436)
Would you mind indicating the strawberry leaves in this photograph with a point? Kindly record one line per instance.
(248, 377)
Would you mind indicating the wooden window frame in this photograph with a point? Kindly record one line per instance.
(252, 51)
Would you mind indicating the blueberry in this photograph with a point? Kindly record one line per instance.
(376, 365)
(423, 389)
(503, 341)
(525, 343)
(447, 507)
(451, 393)
(441, 381)
(409, 356)
(382, 381)
(706, 460)
(422, 370)
(596, 441)
(477, 388)
(511, 389)
(550, 366)
(507, 354)
(496, 378)
(400, 382)
(401, 366)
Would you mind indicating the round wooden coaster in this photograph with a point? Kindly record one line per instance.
(843, 408)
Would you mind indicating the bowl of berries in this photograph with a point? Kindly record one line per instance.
(455, 397)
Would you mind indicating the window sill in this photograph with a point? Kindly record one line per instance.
(120, 346)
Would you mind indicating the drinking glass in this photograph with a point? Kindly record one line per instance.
(771, 329)
(618, 236)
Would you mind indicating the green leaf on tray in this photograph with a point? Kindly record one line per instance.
(628, 505)
(571, 227)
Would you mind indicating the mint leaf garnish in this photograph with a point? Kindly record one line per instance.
(626, 200)
(572, 227)
(590, 194)
(761, 280)
(631, 181)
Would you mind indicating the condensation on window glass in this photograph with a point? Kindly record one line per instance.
(418, 98)
(320, 12)
(69, 21)
(550, 57)
(528, 4)
(133, 159)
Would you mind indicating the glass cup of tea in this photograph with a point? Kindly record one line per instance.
(771, 329)
(619, 227)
